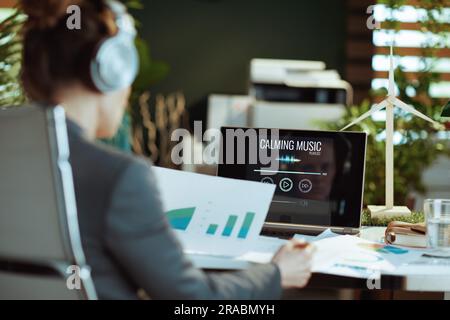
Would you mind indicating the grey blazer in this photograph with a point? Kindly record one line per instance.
(128, 242)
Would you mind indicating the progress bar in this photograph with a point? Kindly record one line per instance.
(281, 201)
(292, 172)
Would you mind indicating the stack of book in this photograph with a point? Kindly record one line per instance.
(406, 234)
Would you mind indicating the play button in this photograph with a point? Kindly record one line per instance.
(286, 184)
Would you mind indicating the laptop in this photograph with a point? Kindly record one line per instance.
(319, 176)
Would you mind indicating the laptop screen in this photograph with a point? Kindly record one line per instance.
(319, 175)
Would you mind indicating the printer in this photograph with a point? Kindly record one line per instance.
(295, 94)
(285, 94)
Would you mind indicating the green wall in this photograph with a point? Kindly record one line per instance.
(209, 43)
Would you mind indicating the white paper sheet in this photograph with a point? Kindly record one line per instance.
(262, 249)
(201, 207)
(324, 235)
(355, 257)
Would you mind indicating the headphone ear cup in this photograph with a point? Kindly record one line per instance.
(115, 64)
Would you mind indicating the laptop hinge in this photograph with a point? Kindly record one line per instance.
(350, 231)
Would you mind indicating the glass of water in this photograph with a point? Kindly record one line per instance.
(437, 215)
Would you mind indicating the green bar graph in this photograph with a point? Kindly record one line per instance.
(180, 218)
(245, 228)
(212, 229)
(229, 226)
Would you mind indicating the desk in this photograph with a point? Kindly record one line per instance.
(422, 283)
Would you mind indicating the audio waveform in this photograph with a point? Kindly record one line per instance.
(288, 159)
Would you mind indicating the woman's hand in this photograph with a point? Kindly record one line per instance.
(294, 262)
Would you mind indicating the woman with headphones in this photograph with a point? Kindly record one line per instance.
(126, 238)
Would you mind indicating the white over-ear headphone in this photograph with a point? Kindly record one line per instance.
(115, 63)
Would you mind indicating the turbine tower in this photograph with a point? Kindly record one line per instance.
(389, 103)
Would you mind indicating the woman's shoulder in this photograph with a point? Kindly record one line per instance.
(98, 161)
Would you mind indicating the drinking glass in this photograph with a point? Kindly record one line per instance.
(437, 217)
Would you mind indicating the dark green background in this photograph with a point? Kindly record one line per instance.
(208, 43)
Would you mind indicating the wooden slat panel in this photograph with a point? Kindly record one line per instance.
(417, 3)
(360, 4)
(363, 4)
(360, 50)
(7, 3)
(357, 24)
(412, 26)
(441, 53)
(360, 95)
(409, 75)
(359, 74)
(421, 99)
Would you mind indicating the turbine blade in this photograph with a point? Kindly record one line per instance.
(367, 114)
(398, 103)
(391, 88)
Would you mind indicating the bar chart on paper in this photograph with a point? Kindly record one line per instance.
(206, 229)
(230, 226)
(213, 215)
(180, 219)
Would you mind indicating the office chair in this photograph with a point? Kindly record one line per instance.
(41, 256)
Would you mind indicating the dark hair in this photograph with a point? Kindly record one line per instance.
(53, 54)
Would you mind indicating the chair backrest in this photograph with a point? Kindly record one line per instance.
(19, 282)
(39, 235)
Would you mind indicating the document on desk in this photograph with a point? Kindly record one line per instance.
(324, 235)
(355, 257)
(424, 266)
(217, 216)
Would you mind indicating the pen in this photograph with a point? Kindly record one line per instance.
(301, 245)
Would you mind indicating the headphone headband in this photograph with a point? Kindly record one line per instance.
(116, 62)
(123, 19)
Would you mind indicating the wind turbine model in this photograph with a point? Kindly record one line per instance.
(389, 103)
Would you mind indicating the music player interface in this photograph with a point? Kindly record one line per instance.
(318, 174)
(304, 178)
